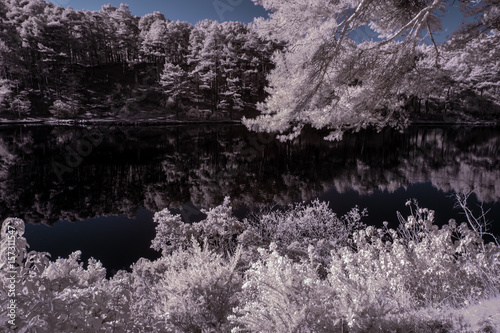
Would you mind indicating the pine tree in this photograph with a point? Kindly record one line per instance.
(177, 42)
(208, 62)
(176, 85)
(154, 42)
(232, 66)
(327, 80)
(125, 32)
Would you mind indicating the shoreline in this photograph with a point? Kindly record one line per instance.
(123, 122)
(153, 122)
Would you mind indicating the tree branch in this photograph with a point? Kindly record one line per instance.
(434, 43)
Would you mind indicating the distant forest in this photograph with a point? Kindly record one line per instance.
(77, 63)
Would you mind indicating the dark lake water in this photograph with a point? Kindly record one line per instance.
(96, 188)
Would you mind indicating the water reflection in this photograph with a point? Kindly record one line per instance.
(156, 167)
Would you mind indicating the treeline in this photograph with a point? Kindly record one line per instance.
(73, 62)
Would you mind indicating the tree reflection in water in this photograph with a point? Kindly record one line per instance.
(189, 167)
(159, 167)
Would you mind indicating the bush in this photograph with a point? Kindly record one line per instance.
(191, 290)
(292, 230)
(417, 278)
(58, 296)
(281, 295)
(64, 109)
(219, 230)
(381, 280)
(296, 228)
(20, 105)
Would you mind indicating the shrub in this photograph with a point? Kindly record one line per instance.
(219, 229)
(58, 296)
(171, 232)
(282, 295)
(423, 266)
(296, 228)
(64, 109)
(191, 290)
(374, 284)
(20, 105)
(416, 278)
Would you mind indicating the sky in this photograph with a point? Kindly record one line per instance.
(191, 11)
(194, 11)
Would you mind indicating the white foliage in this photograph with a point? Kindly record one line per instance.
(5, 91)
(417, 278)
(325, 79)
(196, 291)
(301, 226)
(280, 295)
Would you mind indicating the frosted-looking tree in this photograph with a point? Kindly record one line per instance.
(4, 92)
(153, 43)
(325, 78)
(461, 75)
(257, 54)
(233, 65)
(5, 89)
(4, 51)
(176, 84)
(12, 71)
(473, 55)
(164, 41)
(147, 38)
(475, 71)
(228, 63)
(177, 42)
(206, 47)
(126, 29)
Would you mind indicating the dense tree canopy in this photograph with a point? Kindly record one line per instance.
(327, 78)
(72, 62)
(310, 63)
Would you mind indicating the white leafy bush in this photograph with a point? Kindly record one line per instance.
(58, 296)
(417, 278)
(191, 290)
(69, 272)
(282, 295)
(219, 229)
(292, 230)
(20, 105)
(300, 226)
(374, 284)
(171, 232)
(423, 266)
(64, 109)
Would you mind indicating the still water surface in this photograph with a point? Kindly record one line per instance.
(96, 188)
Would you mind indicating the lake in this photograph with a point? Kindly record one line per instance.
(96, 188)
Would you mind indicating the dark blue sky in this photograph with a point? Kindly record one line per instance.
(193, 11)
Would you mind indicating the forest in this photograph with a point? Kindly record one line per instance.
(65, 63)
(68, 63)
